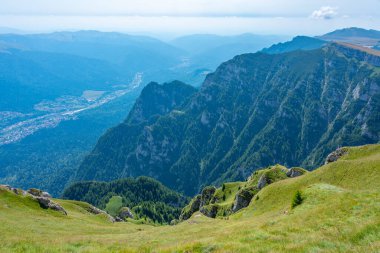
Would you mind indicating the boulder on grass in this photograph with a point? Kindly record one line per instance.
(47, 203)
(295, 172)
(334, 156)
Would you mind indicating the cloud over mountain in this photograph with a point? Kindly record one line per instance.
(325, 12)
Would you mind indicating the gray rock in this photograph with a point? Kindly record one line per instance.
(209, 211)
(43, 198)
(47, 203)
(35, 192)
(334, 156)
(242, 199)
(14, 190)
(6, 187)
(46, 195)
(95, 210)
(263, 181)
(295, 172)
(125, 212)
(206, 195)
(118, 219)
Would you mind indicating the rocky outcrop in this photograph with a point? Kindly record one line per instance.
(118, 219)
(125, 212)
(295, 172)
(334, 156)
(47, 203)
(263, 181)
(243, 198)
(43, 198)
(14, 190)
(270, 175)
(191, 208)
(209, 210)
(206, 195)
(38, 193)
(95, 210)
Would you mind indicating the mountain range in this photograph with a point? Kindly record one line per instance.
(254, 110)
(260, 147)
(86, 84)
(59, 92)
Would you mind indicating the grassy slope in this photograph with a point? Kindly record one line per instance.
(341, 213)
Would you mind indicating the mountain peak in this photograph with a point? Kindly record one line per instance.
(158, 99)
(297, 43)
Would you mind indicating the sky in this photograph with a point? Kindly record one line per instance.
(180, 17)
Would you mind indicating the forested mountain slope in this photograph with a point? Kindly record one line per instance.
(147, 198)
(253, 111)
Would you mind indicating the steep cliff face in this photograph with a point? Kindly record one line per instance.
(253, 111)
(158, 99)
(109, 159)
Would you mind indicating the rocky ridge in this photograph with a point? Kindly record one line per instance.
(231, 197)
(44, 199)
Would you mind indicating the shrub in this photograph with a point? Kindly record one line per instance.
(114, 205)
(297, 199)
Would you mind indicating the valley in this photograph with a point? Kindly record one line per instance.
(48, 114)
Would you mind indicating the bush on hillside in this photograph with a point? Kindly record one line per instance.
(297, 199)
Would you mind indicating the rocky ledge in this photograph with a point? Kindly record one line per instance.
(335, 155)
(44, 199)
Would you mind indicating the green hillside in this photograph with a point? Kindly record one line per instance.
(340, 212)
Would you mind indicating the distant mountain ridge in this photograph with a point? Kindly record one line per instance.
(297, 43)
(210, 50)
(353, 32)
(254, 110)
(354, 35)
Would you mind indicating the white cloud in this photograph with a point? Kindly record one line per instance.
(325, 12)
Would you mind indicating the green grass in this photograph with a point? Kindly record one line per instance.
(229, 192)
(340, 212)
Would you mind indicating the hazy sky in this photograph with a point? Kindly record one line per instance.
(176, 17)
